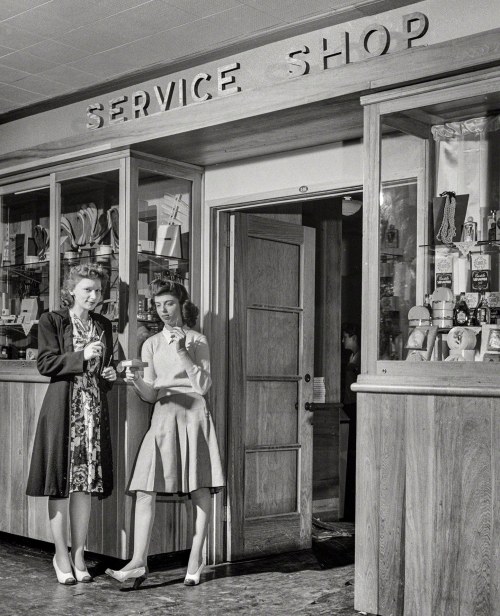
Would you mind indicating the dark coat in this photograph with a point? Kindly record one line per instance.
(49, 469)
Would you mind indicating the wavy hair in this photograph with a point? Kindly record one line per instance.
(92, 271)
(164, 286)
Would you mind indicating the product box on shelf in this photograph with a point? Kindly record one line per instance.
(444, 271)
(481, 272)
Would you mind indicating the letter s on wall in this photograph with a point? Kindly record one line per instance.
(94, 120)
(299, 62)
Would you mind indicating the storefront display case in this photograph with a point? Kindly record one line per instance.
(135, 215)
(429, 393)
(438, 245)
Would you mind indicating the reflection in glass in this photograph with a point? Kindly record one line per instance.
(398, 252)
(164, 210)
(24, 272)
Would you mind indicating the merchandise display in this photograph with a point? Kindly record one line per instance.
(442, 257)
(89, 231)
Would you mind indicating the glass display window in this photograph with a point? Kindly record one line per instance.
(131, 213)
(89, 232)
(163, 241)
(437, 252)
(24, 270)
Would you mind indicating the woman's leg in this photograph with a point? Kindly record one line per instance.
(58, 518)
(145, 504)
(202, 504)
(79, 515)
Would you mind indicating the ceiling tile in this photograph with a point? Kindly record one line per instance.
(17, 95)
(15, 7)
(112, 7)
(25, 61)
(126, 27)
(149, 18)
(56, 52)
(75, 12)
(16, 38)
(40, 20)
(210, 32)
(41, 85)
(291, 10)
(205, 8)
(70, 75)
(93, 39)
(9, 75)
(6, 105)
(105, 65)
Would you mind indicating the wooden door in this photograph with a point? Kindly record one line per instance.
(271, 351)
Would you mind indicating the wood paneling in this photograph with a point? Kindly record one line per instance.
(418, 519)
(110, 530)
(371, 217)
(271, 415)
(367, 503)
(271, 351)
(270, 260)
(427, 540)
(391, 519)
(272, 342)
(270, 483)
(262, 532)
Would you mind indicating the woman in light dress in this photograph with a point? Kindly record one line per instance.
(179, 454)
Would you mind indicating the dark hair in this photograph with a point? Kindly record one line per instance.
(164, 286)
(351, 329)
(92, 271)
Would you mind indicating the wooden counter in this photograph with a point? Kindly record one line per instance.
(22, 390)
(428, 494)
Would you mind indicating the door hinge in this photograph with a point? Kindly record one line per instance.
(224, 514)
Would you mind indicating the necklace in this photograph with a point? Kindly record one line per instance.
(447, 229)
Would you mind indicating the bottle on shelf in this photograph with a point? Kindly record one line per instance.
(461, 313)
(492, 226)
(483, 313)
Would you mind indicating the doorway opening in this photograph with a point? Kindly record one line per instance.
(337, 221)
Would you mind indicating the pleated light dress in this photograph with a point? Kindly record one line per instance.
(179, 453)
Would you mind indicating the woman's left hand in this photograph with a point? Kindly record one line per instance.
(109, 374)
(178, 336)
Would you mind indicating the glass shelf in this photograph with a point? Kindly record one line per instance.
(454, 248)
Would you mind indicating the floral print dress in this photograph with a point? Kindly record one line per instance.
(85, 419)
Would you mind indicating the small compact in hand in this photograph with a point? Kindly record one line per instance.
(133, 364)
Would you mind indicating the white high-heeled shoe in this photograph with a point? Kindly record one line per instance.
(63, 578)
(139, 574)
(193, 579)
(81, 576)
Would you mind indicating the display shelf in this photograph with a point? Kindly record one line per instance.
(453, 247)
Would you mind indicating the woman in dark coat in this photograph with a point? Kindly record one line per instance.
(71, 459)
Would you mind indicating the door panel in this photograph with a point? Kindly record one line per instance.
(270, 260)
(270, 483)
(271, 416)
(271, 346)
(276, 352)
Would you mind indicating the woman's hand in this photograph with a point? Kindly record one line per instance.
(94, 349)
(109, 374)
(131, 376)
(178, 336)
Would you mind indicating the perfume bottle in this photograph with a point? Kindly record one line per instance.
(483, 313)
(492, 226)
(461, 313)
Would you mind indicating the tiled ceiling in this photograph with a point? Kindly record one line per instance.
(50, 49)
